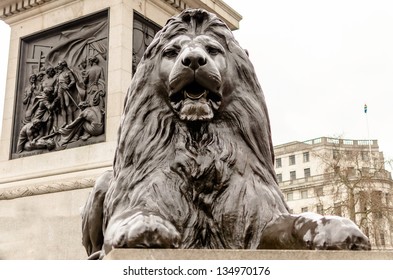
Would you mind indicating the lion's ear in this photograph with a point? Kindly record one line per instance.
(247, 52)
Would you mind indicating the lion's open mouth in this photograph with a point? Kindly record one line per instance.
(194, 102)
(195, 91)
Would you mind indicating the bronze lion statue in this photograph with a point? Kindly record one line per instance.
(194, 161)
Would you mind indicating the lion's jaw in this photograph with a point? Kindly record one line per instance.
(193, 68)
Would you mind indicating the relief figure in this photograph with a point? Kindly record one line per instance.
(47, 101)
(95, 82)
(31, 137)
(90, 122)
(29, 96)
(66, 81)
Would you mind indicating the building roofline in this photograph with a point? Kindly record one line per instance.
(10, 8)
(331, 141)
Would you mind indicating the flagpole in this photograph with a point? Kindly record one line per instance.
(368, 133)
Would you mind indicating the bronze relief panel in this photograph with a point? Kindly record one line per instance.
(62, 87)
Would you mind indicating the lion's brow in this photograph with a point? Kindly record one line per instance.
(194, 26)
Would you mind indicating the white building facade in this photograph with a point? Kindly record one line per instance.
(341, 177)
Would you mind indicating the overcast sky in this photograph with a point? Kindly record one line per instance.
(318, 63)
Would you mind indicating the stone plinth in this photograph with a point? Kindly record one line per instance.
(204, 254)
(41, 192)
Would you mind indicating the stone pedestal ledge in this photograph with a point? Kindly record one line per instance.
(205, 254)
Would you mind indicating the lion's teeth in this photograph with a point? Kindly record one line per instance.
(193, 96)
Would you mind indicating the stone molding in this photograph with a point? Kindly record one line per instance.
(15, 7)
(19, 192)
(214, 254)
(10, 8)
(178, 4)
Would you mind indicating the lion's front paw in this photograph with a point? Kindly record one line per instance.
(330, 233)
(141, 230)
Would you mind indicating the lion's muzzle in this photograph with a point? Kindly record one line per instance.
(194, 58)
(195, 84)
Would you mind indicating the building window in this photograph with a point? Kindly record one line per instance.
(382, 239)
(367, 232)
(306, 157)
(320, 209)
(365, 170)
(318, 191)
(292, 175)
(351, 171)
(279, 177)
(304, 194)
(292, 160)
(278, 162)
(376, 204)
(363, 197)
(307, 172)
(349, 154)
(335, 154)
(304, 209)
(337, 209)
(289, 196)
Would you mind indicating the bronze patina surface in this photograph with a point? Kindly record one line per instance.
(194, 162)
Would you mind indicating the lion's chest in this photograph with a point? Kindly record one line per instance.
(205, 166)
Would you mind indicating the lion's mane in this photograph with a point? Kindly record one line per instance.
(199, 160)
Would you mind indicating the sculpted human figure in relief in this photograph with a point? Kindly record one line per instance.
(29, 97)
(66, 81)
(48, 101)
(93, 76)
(194, 161)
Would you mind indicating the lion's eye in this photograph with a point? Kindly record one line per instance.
(170, 53)
(213, 50)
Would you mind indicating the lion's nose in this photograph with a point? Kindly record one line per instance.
(194, 59)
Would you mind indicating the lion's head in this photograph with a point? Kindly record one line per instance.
(193, 72)
(193, 68)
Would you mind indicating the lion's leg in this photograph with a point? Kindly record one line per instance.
(244, 210)
(141, 229)
(279, 235)
(149, 218)
(92, 215)
(313, 231)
